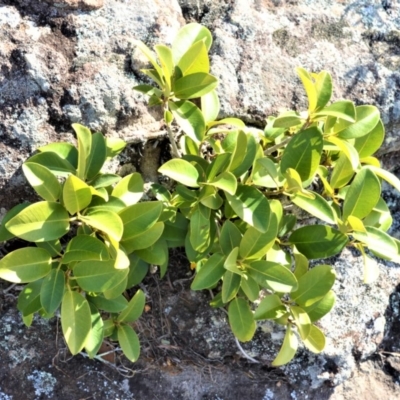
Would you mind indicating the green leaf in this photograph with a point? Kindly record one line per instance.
(270, 307)
(255, 244)
(343, 109)
(64, 150)
(362, 195)
(265, 173)
(53, 162)
(241, 320)
(187, 36)
(4, 233)
(348, 150)
(239, 149)
(210, 106)
(314, 285)
(194, 60)
(251, 206)
(301, 265)
(288, 349)
(85, 247)
(75, 320)
(303, 153)
(96, 335)
(149, 54)
(225, 181)
(114, 146)
(250, 288)
(321, 307)
(134, 309)
(318, 241)
(367, 117)
(144, 240)
(138, 218)
(129, 342)
(342, 172)
(138, 269)
(323, 88)
(46, 185)
(189, 118)
(175, 232)
(106, 221)
(84, 137)
(109, 305)
(167, 65)
(287, 120)
(230, 286)
(272, 275)
(219, 164)
(29, 298)
(98, 276)
(105, 180)
(380, 216)
(368, 144)
(200, 237)
(52, 290)
(97, 155)
(76, 194)
(317, 207)
(156, 254)
(181, 171)
(309, 87)
(315, 341)
(53, 247)
(230, 237)
(194, 85)
(210, 273)
(302, 321)
(385, 175)
(129, 189)
(40, 222)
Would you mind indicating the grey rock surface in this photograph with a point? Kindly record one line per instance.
(61, 65)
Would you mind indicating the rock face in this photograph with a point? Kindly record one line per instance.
(66, 61)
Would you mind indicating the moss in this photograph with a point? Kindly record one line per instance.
(283, 39)
(329, 31)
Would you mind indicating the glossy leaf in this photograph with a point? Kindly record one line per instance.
(76, 194)
(288, 349)
(129, 342)
(367, 117)
(210, 273)
(303, 153)
(181, 171)
(343, 109)
(189, 118)
(318, 241)
(241, 319)
(129, 189)
(270, 307)
(342, 172)
(362, 195)
(29, 298)
(348, 150)
(53, 162)
(97, 155)
(251, 206)
(368, 144)
(46, 185)
(105, 221)
(167, 65)
(315, 341)
(134, 309)
(96, 335)
(250, 288)
(5, 234)
(317, 207)
(385, 175)
(302, 321)
(230, 237)
(109, 305)
(144, 240)
(64, 150)
(52, 290)
(210, 106)
(200, 229)
(40, 222)
(84, 137)
(226, 182)
(194, 85)
(75, 320)
(85, 247)
(194, 60)
(320, 308)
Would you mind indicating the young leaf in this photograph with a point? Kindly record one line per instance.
(187, 36)
(318, 241)
(241, 319)
(42, 180)
(75, 320)
(52, 290)
(114, 146)
(96, 335)
(189, 118)
(315, 341)
(230, 286)
(98, 276)
(129, 342)
(134, 309)
(76, 194)
(362, 195)
(210, 273)
(181, 171)
(288, 349)
(303, 153)
(309, 87)
(314, 285)
(167, 65)
(84, 137)
(210, 106)
(194, 60)
(251, 206)
(302, 321)
(40, 222)
(272, 275)
(270, 307)
(129, 189)
(149, 54)
(347, 149)
(194, 85)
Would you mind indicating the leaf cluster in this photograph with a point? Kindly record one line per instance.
(250, 207)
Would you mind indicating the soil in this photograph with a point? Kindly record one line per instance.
(175, 362)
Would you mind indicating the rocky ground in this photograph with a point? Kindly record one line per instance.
(65, 61)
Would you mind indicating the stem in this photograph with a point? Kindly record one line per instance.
(175, 151)
(277, 146)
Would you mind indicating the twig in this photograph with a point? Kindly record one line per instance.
(244, 353)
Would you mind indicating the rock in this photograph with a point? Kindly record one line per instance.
(60, 65)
